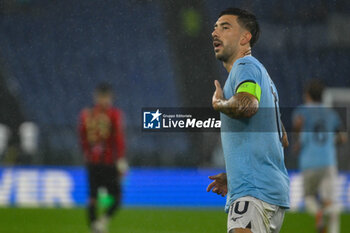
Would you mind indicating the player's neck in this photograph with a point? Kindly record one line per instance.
(101, 107)
(312, 102)
(229, 63)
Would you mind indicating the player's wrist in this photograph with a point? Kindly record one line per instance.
(227, 107)
(220, 105)
(224, 175)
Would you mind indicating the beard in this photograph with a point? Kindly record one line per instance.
(224, 55)
(221, 57)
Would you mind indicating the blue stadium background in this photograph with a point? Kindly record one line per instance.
(53, 53)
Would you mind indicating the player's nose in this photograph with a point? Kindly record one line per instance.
(214, 34)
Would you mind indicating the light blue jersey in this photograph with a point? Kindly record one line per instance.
(252, 147)
(317, 136)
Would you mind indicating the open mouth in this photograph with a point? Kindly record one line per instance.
(217, 44)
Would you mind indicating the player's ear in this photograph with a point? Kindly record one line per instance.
(246, 37)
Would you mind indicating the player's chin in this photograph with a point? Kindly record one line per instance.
(219, 56)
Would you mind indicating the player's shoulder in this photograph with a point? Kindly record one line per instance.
(300, 106)
(248, 64)
(248, 61)
(299, 110)
(247, 68)
(333, 113)
(85, 111)
(116, 111)
(84, 114)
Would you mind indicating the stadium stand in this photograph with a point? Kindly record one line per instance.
(57, 54)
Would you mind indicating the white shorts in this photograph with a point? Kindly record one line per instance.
(252, 213)
(321, 181)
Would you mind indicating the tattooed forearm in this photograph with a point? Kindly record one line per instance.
(241, 105)
(245, 106)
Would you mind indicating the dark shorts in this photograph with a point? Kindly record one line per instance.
(101, 175)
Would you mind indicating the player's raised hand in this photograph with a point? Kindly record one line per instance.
(218, 96)
(219, 184)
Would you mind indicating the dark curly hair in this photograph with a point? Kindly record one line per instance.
(246, 20)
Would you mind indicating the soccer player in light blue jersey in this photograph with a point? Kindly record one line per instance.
(256, 181)
(317, 131)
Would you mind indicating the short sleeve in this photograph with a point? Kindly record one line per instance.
(247, 72)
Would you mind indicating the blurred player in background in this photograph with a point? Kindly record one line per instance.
(102, 141)
(317, 131)
(256, 182)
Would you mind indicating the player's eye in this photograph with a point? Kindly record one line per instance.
(225, 28)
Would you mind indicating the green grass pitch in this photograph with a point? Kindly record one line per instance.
(24, 220)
